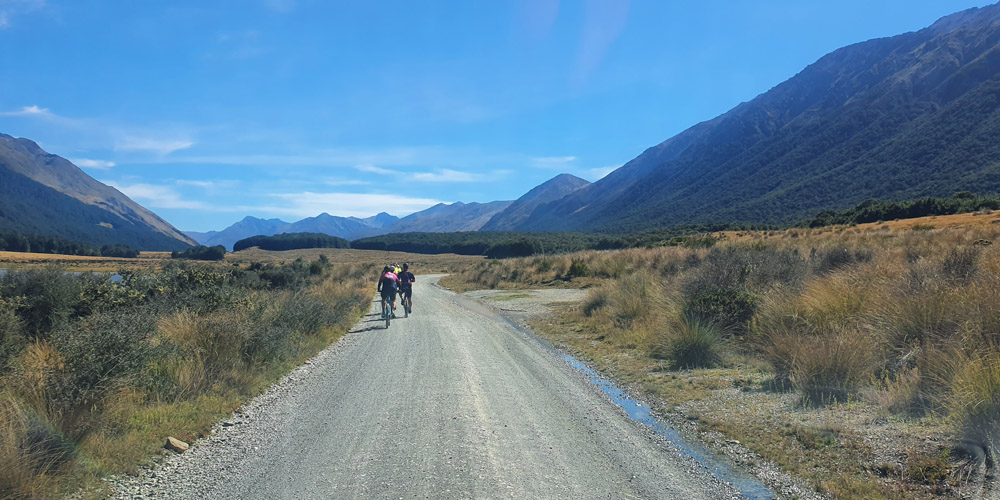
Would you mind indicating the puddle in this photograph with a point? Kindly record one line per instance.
(720, 467)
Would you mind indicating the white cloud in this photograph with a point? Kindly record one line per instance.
(95, 164)
(32, 110)
(156, 196)
(208, 185)
(600, 172)
(552, 162)
(375, 170)
(161, 147)
(308, 204)
(444, 175)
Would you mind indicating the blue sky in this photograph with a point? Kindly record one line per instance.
(207, 111)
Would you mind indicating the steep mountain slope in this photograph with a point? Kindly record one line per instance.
(44, 194)
(442, 218)
(912, 115)
(551, 190)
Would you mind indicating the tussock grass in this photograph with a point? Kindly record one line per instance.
(691, 342)
(95, 374)
(901, 319)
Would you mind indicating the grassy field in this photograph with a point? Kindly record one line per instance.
(95, 374)
(864, 360)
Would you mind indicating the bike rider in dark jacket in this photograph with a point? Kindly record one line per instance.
(406, 279)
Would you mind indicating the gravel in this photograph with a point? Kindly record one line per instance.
(452, 402)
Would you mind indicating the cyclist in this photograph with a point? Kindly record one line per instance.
(406, 279)
(387, 285)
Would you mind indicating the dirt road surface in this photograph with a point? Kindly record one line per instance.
(452, 402)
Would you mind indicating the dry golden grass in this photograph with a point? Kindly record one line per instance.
(896, 322)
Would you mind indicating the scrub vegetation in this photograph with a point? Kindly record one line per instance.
(95, 373)
(770, 337)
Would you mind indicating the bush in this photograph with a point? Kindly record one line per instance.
(46, 298)
(578, 269)
(961, 264)
(830, 369)
(201, 252)
(838, 257)
(729, 309)
(119, 250)
(691, 343)
(974, 405)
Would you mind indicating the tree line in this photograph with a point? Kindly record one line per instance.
(19, 242)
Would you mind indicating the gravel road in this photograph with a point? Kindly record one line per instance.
(452, 402)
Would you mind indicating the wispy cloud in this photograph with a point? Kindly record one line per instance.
(11, 8)
(156, 196)
(603, 22)
(95, 164)
(372, 169)
(553, 162)
(159, 146)
(600, 172)
(308, 204)
(445, 175)
(32, 110)
(209, 185)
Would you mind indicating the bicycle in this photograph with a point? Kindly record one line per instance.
(386, 311)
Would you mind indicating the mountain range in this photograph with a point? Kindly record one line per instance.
(912, 115)
(440, 218)
(325, 223)
(46, 195)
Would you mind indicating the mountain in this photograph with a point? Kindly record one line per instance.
(551, 190)
(382, 219)
(46, 195)
(326, 224)
(913, 115)
(323, 223)
(442, 218)
(249, 226)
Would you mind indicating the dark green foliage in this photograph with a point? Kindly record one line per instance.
(693, 343)
(17, 242)
(875, 210)
(201, 252)
(730, 309)
(291, 241)
(45, 298)
(119, 250)
(577, 269)
(495, 244)
(99, 351)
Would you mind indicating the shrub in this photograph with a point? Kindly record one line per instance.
(119, 250)
(597, 299)
(201, 252)
(48, 298)
(961, 264)
(729, 309)
(691, 343)
(830, 369)
(838, 257)
(637, 297)
(974, 404)
(578, 269)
